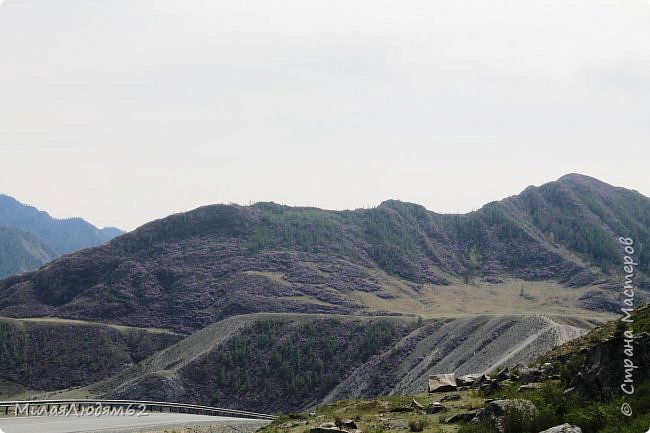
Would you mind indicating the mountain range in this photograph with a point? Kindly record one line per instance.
(30, 238)
(552, 246)
(236, 303)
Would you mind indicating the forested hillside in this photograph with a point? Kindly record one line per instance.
(188, 270)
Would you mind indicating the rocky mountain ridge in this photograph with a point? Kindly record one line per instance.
(30, 238)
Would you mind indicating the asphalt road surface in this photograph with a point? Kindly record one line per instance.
(105, 424)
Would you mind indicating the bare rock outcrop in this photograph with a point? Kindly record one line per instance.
(494, 414)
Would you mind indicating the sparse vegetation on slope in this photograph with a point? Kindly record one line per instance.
(383, 414)
(195, 268)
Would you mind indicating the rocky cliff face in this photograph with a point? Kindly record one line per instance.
(596, 365)
(604, 368)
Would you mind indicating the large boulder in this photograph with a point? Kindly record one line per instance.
(564, 428)
(529, 386)
(481, 380)
(467, 380)
(322, 429)
(495, 412)
(442, 382)
(436, 407)
(528, 375)
(503, 375)
(489, 386)
(461, 417)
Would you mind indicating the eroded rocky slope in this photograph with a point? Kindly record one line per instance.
(287, 362)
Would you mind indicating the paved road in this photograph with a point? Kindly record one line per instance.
(105, 424)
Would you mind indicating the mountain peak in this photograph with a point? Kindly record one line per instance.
(577, 178)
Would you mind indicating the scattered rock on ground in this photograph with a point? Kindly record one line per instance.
(395, 426)
(436, 407)
(461, 417)
(529, 386)
(450, 397)
(416, 405)
(467, 380)
(489, 387)
(503, 375)
(323, 430)
(481, 380)
(527, 375)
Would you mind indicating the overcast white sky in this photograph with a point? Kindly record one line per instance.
(123, 111)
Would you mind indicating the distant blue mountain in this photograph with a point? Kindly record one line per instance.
(31, 237)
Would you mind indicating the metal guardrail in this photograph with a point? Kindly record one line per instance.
(92, 407)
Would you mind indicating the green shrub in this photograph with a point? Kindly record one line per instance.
(376, 428)
(476, 428)
(417, 425)
(553, 408)
(593, 416)
(635, 424)
(570, 368)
